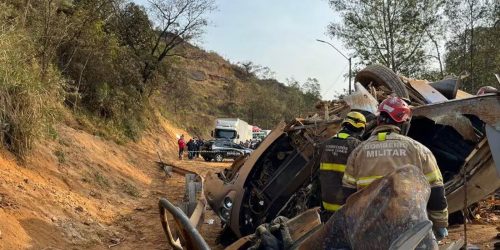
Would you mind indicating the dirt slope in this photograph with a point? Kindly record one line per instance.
(80, 191)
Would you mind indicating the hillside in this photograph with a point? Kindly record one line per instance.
(87, 100)
(206, 86)
(82, 191)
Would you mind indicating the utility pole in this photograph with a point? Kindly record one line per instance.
(350, 75)
(347, 58)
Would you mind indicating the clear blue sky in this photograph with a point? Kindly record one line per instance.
(280, 34)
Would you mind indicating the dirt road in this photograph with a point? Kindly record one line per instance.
(141, 229)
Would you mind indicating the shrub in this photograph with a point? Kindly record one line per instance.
(27, 100)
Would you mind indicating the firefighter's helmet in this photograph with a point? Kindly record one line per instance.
(396, 108)
(355, 119)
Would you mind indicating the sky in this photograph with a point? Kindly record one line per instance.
(279, 34)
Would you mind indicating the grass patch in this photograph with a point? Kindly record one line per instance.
(101, 180)
(118, 130)
(60, 156)
(130, 189)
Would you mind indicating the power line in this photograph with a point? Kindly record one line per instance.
(336, 80)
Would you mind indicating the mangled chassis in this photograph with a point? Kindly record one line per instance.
(279, 178)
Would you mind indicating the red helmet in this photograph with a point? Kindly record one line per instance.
(396, 108)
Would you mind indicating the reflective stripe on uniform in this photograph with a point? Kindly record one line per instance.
(381, 136)
(433, 176)
(331, 207)
(349, 179)
(332, 167)
(438, 215)
(342, 135)
(365, 181)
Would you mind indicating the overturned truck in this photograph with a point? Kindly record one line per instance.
(280, 178)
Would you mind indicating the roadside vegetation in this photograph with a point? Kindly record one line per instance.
(425, 39)
(28, 97)
(114, 66)
(110, 66)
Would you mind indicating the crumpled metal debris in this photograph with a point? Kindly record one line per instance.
(376, 216)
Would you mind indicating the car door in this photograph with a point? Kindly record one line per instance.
(232, 149)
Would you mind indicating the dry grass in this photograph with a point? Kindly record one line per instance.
(27, 99)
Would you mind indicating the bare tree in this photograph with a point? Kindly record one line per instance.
(435, 43)
(177, 21)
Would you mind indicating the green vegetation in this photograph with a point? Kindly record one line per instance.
(100, 179)
(61, 158)
(113, 64)
(413, 36)
(130, 189)
(28, 96)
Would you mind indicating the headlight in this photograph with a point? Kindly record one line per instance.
(224, 214)
(228, 203)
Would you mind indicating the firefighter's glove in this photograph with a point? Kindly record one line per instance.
(441, 233)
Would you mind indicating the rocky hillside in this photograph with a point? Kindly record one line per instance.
(203, 86)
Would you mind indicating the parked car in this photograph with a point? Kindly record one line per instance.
(219, 150)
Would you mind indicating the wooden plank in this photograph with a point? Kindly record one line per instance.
(303, 223)
(430, 94)
(242, 243)
(462, 94)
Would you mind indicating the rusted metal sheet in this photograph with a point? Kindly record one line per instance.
(485, 107)
(242, 243)
(430, 94)
(299, 228)
(216, 189)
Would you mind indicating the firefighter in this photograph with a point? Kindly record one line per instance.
(334, 154)
(387, 149)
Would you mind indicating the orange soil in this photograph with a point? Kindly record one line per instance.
(83, 192)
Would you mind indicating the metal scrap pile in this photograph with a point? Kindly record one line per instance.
(279, 178)
(380, 82)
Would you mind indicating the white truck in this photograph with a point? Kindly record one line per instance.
(234, 129)
(261, 134)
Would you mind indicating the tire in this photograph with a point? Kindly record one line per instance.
(207, 158)
(381, 75)
(219, 158)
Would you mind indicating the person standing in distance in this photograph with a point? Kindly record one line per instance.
(182, 145)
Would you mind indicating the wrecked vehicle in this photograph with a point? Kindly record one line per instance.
(280, 178)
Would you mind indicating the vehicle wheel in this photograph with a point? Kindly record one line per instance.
(207, 159)
(218, 157)
(380, 75)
